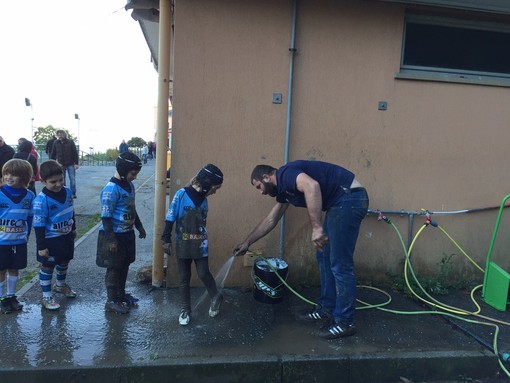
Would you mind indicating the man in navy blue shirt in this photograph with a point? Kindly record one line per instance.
(319, 186)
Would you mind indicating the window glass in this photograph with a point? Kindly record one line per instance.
(456, 47)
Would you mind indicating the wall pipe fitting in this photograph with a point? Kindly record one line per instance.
(412, 213)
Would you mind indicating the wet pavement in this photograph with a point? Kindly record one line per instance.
(249, 341)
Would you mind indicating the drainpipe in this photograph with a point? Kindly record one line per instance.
(292, 51)
(165, 18)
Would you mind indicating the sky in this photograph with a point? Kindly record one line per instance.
(76, 57)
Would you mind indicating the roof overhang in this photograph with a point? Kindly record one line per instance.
(492, 6)
(146, 12)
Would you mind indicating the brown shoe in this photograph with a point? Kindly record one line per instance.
(66, 290)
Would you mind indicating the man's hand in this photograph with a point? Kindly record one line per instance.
(167, 248)
(141, 232)
(319, 238)
(240, 249)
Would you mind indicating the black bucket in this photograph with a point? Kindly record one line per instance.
(267, 287)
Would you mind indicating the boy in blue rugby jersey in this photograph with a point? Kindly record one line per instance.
(188, 210)
(15, 224)
(55, 231)
(116, 248)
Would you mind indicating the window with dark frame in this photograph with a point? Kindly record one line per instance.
(457, 47)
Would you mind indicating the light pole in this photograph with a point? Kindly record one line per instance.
(28, 103)
(77, 118)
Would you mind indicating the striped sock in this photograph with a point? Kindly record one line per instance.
(45, 282)
(61, 271)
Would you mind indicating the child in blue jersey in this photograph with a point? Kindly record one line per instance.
(188, 211)
(55, 231)
(15, 224)
(116, 241)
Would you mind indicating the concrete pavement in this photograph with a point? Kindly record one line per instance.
(248, 342)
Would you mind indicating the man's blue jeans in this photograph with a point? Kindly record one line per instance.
(336, 263)
(72, 177)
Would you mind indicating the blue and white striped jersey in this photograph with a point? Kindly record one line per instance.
(56, 217)
(119, 204)
(14, 218)
(190, 225)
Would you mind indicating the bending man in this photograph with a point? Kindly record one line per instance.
(319, 186)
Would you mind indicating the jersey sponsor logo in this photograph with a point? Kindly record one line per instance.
(64, 226)
(128, 217)
(7, 229)
(12, 222)
(12, 226)
(4, 206)
(193, 237)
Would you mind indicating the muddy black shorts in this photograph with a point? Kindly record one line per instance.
(13, 257)
(126, 250)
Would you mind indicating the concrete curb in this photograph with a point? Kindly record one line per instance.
(382, 368)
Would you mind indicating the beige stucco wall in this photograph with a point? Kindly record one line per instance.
(439, 146)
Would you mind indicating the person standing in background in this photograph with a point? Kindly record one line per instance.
(150, 147)
(123, 147)
(6, 153)
(25, 153)
(33, 151)
(145, 152)
(65, 153)
(49, 147)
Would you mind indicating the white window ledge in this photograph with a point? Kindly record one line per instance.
(452, 77)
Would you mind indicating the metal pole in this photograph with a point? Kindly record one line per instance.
(77, 118)
(292, 51)
(32, 124)
(29, 103)
(165, 18)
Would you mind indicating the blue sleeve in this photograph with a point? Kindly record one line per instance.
(173, 210)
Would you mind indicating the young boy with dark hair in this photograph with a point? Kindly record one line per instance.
(55, 231)
(15, 224)
(116, 248)
(188, 211)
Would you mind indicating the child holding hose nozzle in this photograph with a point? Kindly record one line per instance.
(319, 186)
(188, 211)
